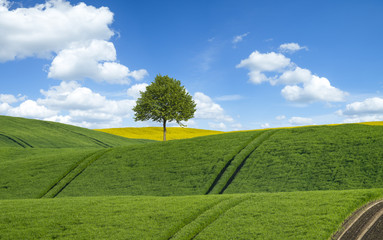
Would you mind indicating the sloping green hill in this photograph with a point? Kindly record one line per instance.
(302, 159)
(29, 133)
(49, 160)
(315, 158)
(295, 215)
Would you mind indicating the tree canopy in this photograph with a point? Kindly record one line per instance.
(165, 100)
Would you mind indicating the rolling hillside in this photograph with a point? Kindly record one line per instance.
(302, 159)
(29, 133)
(295, 215)
(61, 181)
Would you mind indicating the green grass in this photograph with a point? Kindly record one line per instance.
(179, 167)
(314, 158)
(97, 178)
(295, 215)
(28, 133)
(28, 173)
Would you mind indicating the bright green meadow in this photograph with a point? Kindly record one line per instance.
(63, 182)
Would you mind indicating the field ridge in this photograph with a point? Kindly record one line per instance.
(62, 183)
(193, 228)
(238, 161)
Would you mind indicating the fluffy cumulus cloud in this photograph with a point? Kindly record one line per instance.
(31, 109)
(301, 86)
(291, 47)
(7, 98)
(316, 89)
(95, 60)
(371, 109)
(259, 63)
(300, 121)
(50, 27)
(208, 109)
(134, 91)
(76, 36)
(72, 103)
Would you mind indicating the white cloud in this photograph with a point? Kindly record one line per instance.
(77, 35)
(50, 27)
(296, 76)
(95, 60)
(301, 85)
(134, 91)
(280, 117)
(207, 109)
(291, 47)
(299, 121)
(367, 118)
(229, 97)
(368, 106)
(4, 108)
(317, 89)
(265, 125)
(371, 109)
(71, 96)
(71, 103)
(138, 74)
(217, 126)
(239, 38)
(31, 109)
(257, 63)
(8, 98)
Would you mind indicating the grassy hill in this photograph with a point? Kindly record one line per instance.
(295, 215)
(29, 133)
(302, 159)
(156, 133)
(61, 181)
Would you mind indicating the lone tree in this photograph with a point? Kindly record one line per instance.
(164, 100)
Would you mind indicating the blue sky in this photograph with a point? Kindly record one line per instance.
(247, 64)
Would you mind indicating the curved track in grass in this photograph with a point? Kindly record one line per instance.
(364, 224)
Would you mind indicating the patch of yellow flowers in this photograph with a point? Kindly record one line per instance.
(172, 133)
(156, 133)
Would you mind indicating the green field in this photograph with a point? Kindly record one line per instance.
(29, 133)
(61, 181)
(295, 215)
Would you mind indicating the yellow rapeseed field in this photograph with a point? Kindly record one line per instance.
(373, 123)
(156, 133)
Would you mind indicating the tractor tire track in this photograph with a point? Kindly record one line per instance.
(13, 140)
(21, 140)
(364, 224)
(256, 143)
(218, 177)
(202, 221)
(253, 144)
(61, 184)
(95, 140)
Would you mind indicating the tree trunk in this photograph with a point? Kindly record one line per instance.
(164, 130)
